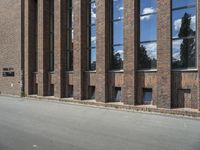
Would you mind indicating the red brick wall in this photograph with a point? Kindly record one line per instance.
(146, 80)
(185, 81)
(163, 81)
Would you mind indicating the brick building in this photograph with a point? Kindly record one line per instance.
(137, 52)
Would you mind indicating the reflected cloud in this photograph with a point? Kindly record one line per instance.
(151, 49)
(147, 11)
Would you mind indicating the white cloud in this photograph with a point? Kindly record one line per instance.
(176, 49)
(93, 39)
(147, 10)
(151, 49)
(93, 13)
(121, 8)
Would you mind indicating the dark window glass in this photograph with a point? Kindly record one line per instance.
(51, 90)
(35, 88)
(117, 52)
(35, 32)
(91, 92)
(51, 36)
(70, 36)
(117, 94)
(70, 91)
(8, 74)
(184, 34)
(147, 96)
(92, 35)
(147, 54)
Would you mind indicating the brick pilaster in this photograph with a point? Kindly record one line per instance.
(130, 47)
(59, 46)
(42, 46)
(164, 53)
(103, 47)
(80, 47)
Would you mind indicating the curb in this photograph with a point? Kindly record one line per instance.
(122, 107)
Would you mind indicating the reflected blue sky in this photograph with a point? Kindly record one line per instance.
(180, 8)
(182, 3)
(177, 17)
(118, 33)
(92, 26)
(148, 29)
(118, 9)
(147, 6)
(148, 26)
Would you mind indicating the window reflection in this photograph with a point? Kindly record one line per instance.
(148, 7)
(184, 34)
(147, 53)
(92, 35)
(117, 38)
(183, 3)
(118, 55)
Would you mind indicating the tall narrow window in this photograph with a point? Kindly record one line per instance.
(70, 36)
(183, 34)
(117, 53)
(147, 54)
(51, 36)
(92, 35)
(35, 32)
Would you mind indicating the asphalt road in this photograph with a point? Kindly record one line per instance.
(44, 125)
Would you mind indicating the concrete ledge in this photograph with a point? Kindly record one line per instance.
(120, 106)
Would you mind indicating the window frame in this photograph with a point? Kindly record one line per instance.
(189, 37)
(112, 45)
(89, 35)
(51, 36)
(36, 36)
(149, 41)
(69, 30)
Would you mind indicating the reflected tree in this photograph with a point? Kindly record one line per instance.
(93, 65)
(117, 61)
(145, 62)
(187, 47)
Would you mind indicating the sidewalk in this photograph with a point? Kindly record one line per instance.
(120, 106)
